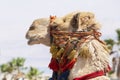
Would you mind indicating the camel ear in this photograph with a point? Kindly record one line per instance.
(75, 22)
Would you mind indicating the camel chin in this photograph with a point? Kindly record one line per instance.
(33, 42)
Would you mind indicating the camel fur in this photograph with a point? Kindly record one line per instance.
(94, 55)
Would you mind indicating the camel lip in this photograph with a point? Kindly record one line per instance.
(32, 42)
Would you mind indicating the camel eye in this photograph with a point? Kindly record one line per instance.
(32, 28)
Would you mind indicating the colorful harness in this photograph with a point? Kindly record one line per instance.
(64, 49)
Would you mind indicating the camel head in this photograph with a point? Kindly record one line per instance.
(38, 32)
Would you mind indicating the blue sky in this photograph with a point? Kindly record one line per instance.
(17, 15)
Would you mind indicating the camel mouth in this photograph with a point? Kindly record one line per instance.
(32, 42)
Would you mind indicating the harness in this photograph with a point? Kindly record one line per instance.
(64, 48)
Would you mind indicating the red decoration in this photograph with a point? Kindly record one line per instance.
(69, 65)
(91, 75)
(54, 65)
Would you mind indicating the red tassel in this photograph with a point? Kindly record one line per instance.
(63, 63)
(69, 65)
(54, 65)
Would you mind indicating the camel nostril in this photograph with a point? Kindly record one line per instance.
(32, 28)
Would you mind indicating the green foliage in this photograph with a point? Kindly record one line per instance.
(33, 73)
(118, 35)
(19, 62)
(110, 43)
(13, 65)
(6, 68)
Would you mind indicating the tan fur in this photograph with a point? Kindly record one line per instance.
(98, 60)
(88, 20)
(39, 32)
(98, 55)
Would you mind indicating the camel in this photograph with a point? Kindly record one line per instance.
(77, 51)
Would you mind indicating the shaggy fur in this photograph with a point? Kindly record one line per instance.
(76, 21)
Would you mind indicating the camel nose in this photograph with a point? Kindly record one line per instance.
(32, 28)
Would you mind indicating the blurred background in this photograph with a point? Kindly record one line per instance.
(17, 16)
